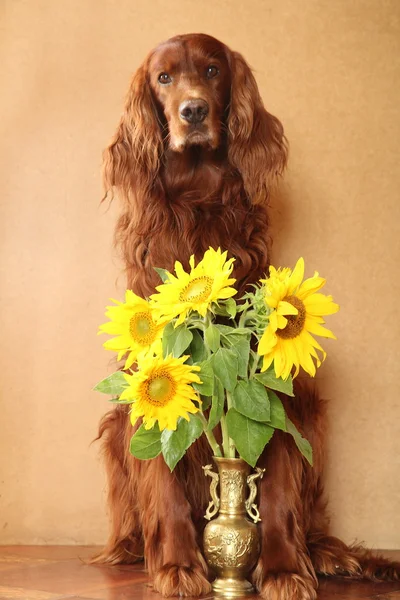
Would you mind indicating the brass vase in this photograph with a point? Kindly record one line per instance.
(231, 541)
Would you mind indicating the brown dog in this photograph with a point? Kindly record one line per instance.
(192, 161)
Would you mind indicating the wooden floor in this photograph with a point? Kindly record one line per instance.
(60, 573)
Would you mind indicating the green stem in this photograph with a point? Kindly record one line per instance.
(242, 320)
(247, 315)
(229, 400)
(256, 360)
(210, 436)
(225, 436)
(231, 443)
(206, 322)
(196, 324)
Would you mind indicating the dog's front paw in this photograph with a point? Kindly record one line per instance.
(175, 580)
(287, 586)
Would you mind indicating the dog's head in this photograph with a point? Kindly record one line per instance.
(193, 91)
(190, 81)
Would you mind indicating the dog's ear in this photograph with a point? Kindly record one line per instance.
(257, 147)
(133, 156)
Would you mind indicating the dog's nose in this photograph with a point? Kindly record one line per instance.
(194, 111)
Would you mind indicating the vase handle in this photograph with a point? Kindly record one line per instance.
(213, 506)
(251, 507)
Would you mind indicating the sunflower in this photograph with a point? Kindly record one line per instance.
(137, 328)
(161, 391)
(206, 283)
(296, 313)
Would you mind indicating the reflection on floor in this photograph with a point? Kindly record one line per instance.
(60, 573)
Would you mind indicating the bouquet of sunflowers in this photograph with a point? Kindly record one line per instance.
(195, 359)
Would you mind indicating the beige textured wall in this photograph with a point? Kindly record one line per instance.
(330, 71)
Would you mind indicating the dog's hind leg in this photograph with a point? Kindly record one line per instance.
(331, 556)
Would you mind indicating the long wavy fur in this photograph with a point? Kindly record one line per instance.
(170, 210)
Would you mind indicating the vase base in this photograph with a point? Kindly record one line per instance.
(232, 588)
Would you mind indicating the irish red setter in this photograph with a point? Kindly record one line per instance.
(192, 160)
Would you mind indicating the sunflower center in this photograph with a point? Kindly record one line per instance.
(142, 328)
(197, 290)
(160, 389)
(295, 323)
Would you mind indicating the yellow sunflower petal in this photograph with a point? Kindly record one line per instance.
(285, 308)
(268, 341)
(277, 321)
(130, 360)
(317, 329)
(280, 363)
(311, 342)
(179, 270)
(296, 277)
(310, 286)
(267, 361)
(319, 304)
(226, 293)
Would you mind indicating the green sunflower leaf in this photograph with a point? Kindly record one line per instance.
(212, 337)
(113, 384)
(250, 436)
(302, 444)
(206, 375)
(231, 308)
(167, 339)
(205, 402)
(176, 340)
(225, 365)
(243, 306)
(163, 273)
(146, 443)
(220, 310)
(197, 349)
(226, 330)
(250, 398)
(217, 404)
(277, 418)
(269, 379)
(241, 347)
(175, 443)
(117, 400)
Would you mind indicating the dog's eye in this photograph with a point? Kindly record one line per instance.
(164, 78)
(212, 71)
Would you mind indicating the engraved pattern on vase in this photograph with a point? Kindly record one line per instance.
(233, 482)
(228, 548)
